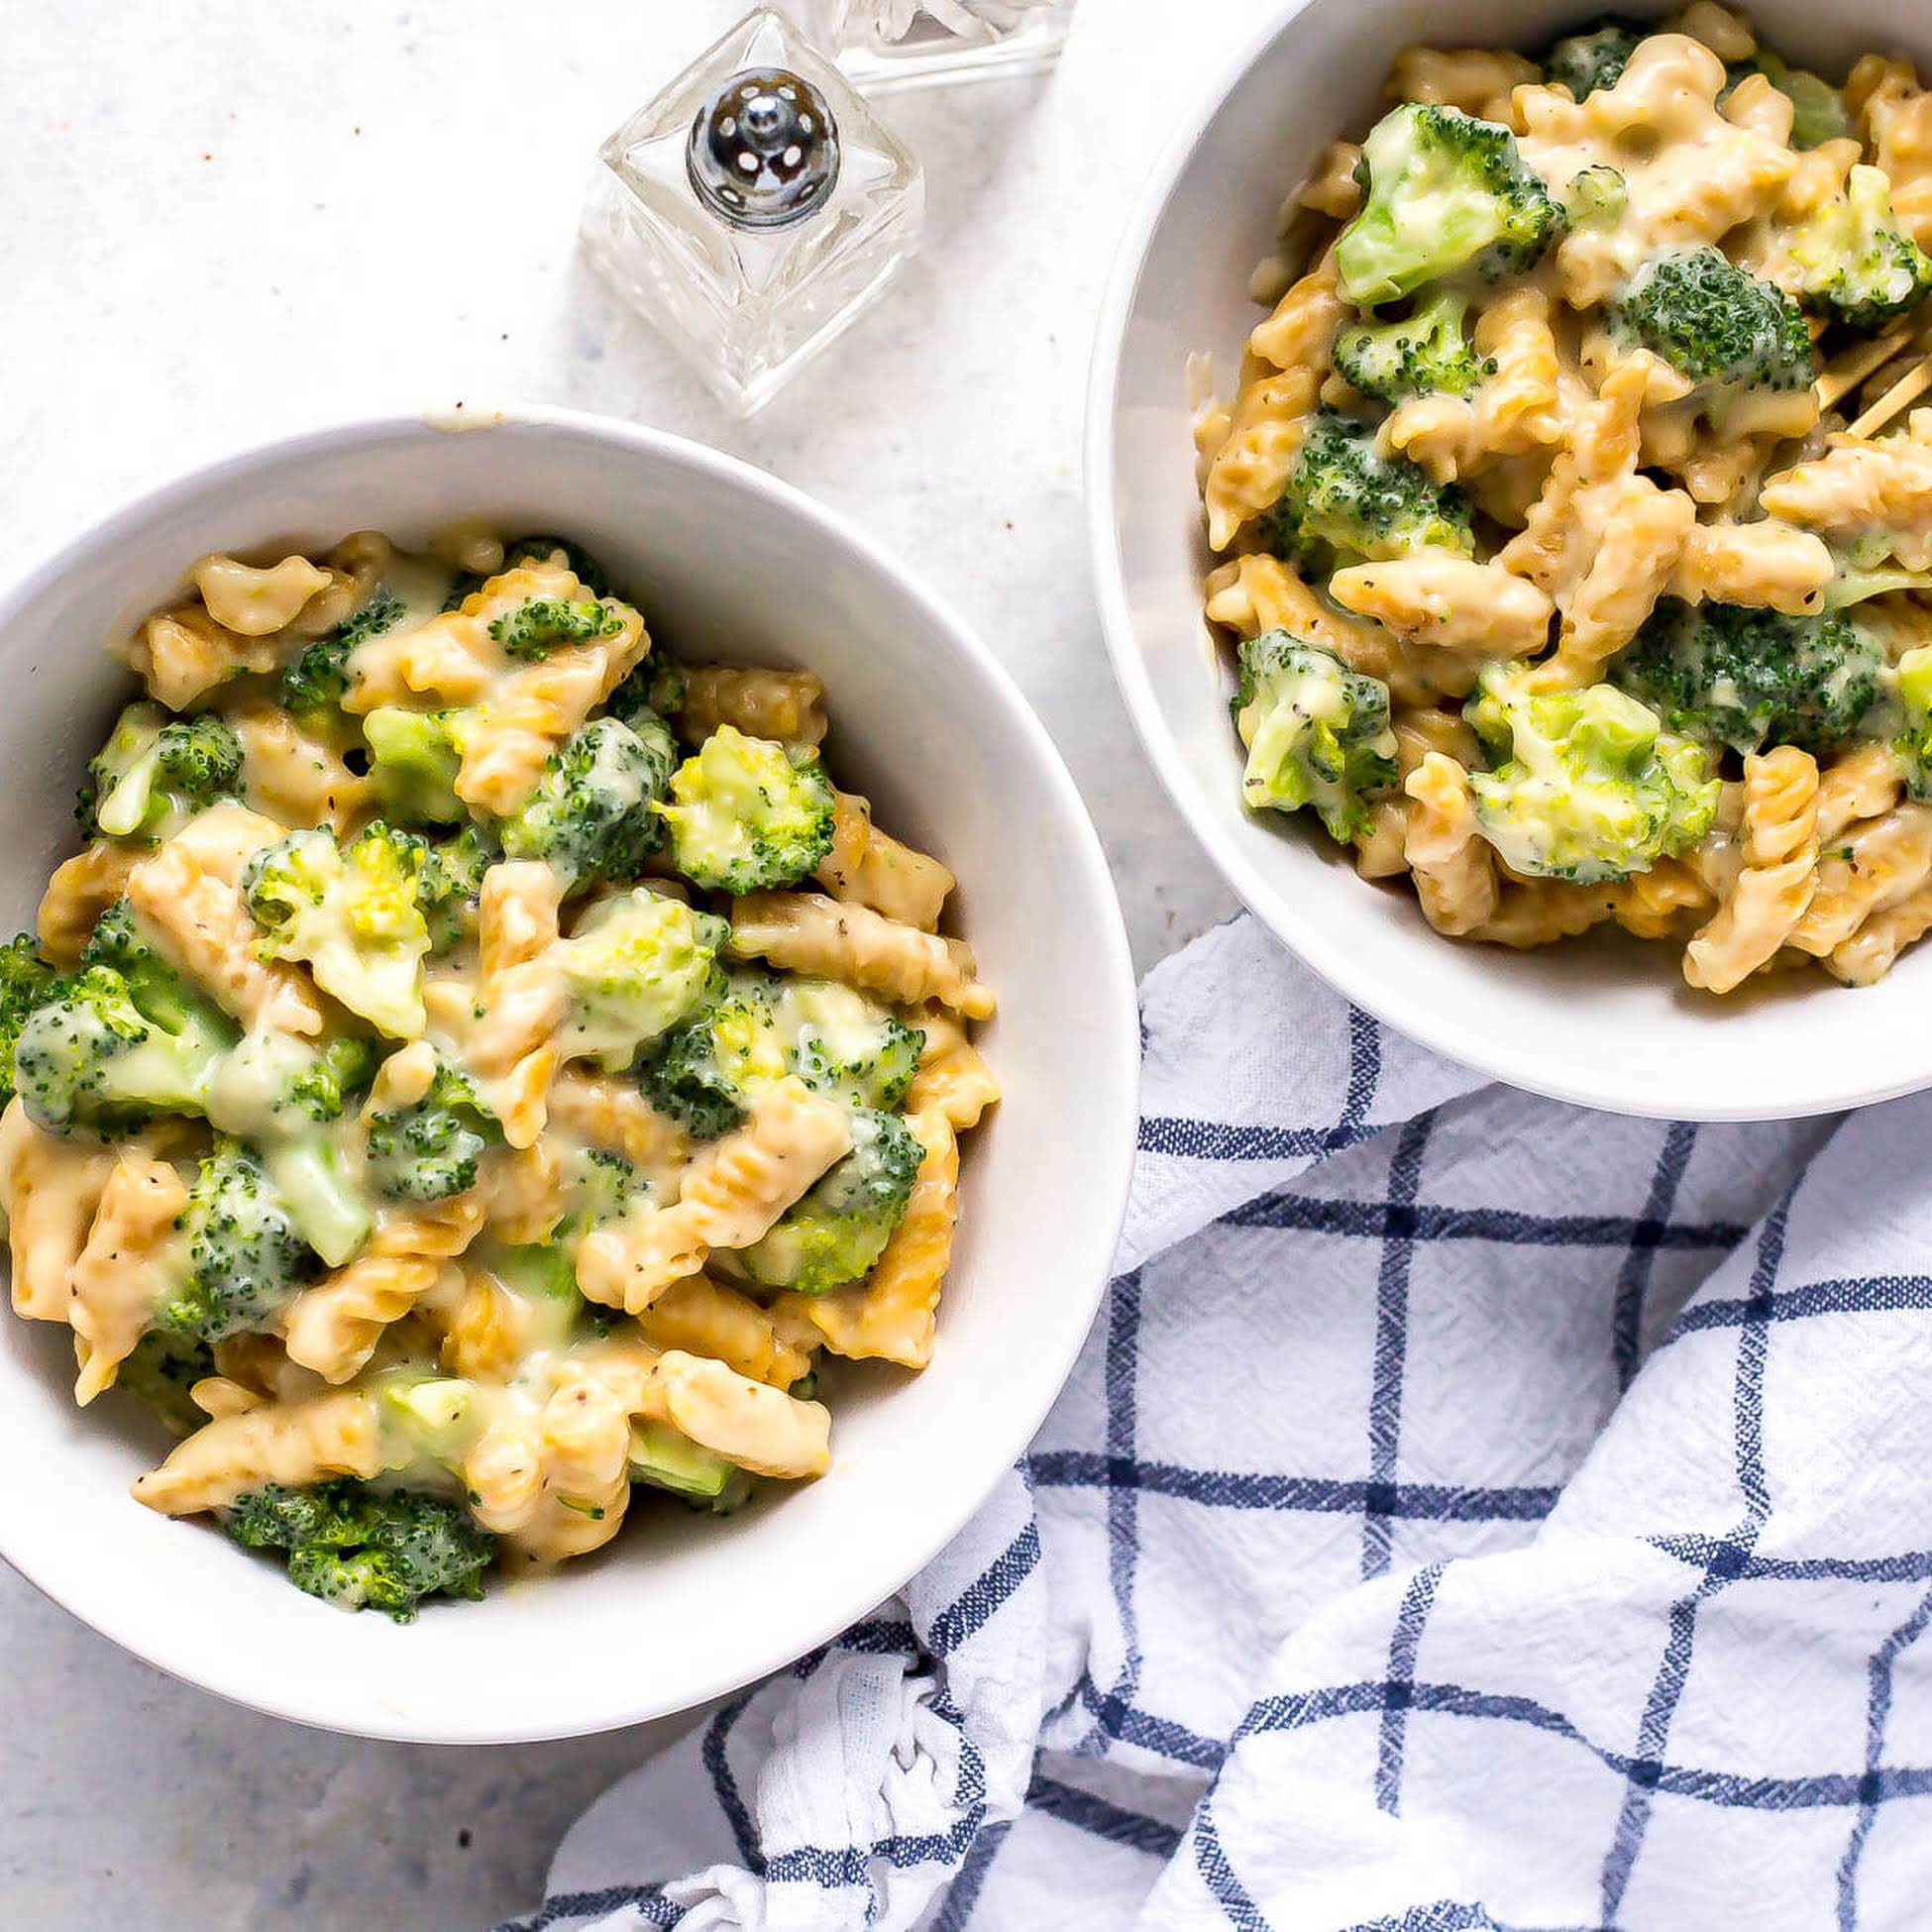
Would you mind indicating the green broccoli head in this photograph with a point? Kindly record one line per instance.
(1442, 192)
(665, 1457)
(1715, 323)
(158, 1373)
(539, 549)
(1595, 197)
(635, 966)
(747, 814)
(365, 1549)
(1818, 110)
(313, 684)
(414, 761)
(26, 979)
(1913, 745)
(88, 1061)
(273, 1084)
(655, 689)
(540, 625)
(354, 913)
(161, 993)
(755, 1028)
(154, 774)
(284, 1096)
(840, 1228)
(1737, 675)
(1594, 56)
(591, 818)
(450, 883)
(1423, 354)
(703, 1070)
(1343, 495)
(246, 1258)
(430, 1149)
(1317, 734)
(542, 549)
(1588, 786)
(1858, 265)
(840, 1042)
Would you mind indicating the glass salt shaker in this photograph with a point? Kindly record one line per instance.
(753, 209)
(886, 44)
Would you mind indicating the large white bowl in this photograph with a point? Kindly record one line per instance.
(726, 563)
(1608, 1022)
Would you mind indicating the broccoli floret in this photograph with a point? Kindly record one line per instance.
(543, 549)
(355, 912)
(413, 765)
(655, 689)
(746, 814)
(636, 965)
(840, 1227)
(1818, 110)
(1425, 354)
(159, 993)
(1711, 321)
(1588, 787)
(364, 1549)
(315, 681)
(284, 1095)
(1317, 734)
(155, 773)
(667, 1458)
(1913, 745)
(756, 1027)
(1594, 56)
(1342, 494)
(838, 1041)
(1442, 192)
(245, 1256)
(591, 817)
(276, 1084)
(540, 625)
(537, 550)
(703, 1070)
(26, 979)
(158, 1373)
(1737, 675)
(1594, 198)
(451, 881)
(1858, 265)
(430, 1149)
(88, 1060)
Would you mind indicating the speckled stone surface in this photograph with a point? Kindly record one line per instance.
(223, 223)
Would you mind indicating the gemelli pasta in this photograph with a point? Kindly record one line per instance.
(476, 1068)
(1563, 573)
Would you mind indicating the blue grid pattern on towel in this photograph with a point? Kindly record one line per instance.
(1418, 1244)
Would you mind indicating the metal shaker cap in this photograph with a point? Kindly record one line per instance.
(763, 149)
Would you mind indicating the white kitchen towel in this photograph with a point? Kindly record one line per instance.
(1467, 1512)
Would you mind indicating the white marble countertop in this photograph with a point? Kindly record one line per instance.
(224, 223)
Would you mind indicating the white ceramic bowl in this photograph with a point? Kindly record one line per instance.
(1606, 1021)
(726, 563)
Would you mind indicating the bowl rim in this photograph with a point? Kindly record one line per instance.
(1412, 1013)
(1114, 987)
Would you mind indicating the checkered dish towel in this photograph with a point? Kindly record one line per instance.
(1468, 1511)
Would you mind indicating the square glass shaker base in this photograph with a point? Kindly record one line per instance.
(887, 45)
(748, 307)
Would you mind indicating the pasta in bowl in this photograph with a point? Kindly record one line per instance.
(495, 1087)
(1548, 577)
(475, 1066)
(1565, 581)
